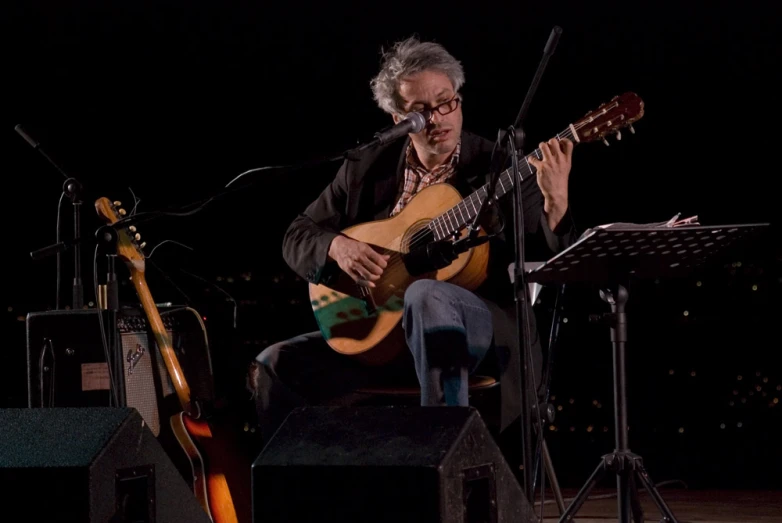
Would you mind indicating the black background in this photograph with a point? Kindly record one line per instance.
(174, 99)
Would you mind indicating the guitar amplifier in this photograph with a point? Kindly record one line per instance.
(67, 360)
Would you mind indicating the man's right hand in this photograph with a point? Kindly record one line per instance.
(359, 261)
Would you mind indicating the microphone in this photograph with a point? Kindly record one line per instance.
(37, 146)
(430, 257)
(439, 254)
(553, 40)
(27, 138)
(412, 123)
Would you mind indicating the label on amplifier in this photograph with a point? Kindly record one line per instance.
(94, 376)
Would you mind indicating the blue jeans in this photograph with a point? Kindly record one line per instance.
(448, 331)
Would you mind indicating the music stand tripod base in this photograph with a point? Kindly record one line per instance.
(609, 257)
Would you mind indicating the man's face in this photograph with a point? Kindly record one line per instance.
(426, 90)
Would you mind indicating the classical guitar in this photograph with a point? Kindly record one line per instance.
(365, 322)
(220, 478)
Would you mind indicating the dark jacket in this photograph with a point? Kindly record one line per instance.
(366, 188)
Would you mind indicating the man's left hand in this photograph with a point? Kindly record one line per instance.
(552, 175)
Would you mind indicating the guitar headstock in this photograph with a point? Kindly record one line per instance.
(128, 247)
(622, 111)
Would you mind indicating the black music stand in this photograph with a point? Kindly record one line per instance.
(609, 257)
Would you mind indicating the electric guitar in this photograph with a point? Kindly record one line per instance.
(364, 322)
(220, 479)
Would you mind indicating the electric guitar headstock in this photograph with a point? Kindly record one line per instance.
(131, 252)
(128, 247)
(610, 118)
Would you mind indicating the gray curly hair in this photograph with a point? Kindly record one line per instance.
(408, 57)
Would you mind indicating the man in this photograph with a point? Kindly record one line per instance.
(449, 330)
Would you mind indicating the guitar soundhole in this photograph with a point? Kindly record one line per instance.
(416, 235)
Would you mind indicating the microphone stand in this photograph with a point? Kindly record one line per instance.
(516, 138)
(71, 188)
(471, 240)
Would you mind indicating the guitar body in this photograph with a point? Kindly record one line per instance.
(373, 333)
(220, 477)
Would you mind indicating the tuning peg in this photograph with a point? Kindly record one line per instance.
(132, 228)
(631, 129)
(137, 236)
(123, 212)
(618, 135)
(606, 142)
(143, 244)
(117, 203)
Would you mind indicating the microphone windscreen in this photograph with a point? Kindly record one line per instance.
(419, 120)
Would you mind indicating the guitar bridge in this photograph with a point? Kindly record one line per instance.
(368, 299)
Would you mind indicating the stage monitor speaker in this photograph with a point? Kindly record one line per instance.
(66, 360)
(385, 464)
(89, 465)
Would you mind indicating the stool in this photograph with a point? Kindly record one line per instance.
(483, 391)
(476, 383)
(480, 388)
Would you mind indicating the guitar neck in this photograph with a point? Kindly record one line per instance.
(163, 340)
(461, 215)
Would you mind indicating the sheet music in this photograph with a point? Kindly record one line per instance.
(673, 222)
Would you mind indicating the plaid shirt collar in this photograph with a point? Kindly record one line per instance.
(418, 177)
(412, 161)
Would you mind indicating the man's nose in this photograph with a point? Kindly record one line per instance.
(435, 118)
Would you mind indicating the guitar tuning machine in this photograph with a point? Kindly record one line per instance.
(132, 228)
(117, 203)
(143, 244)
(632, 131)
(137, 236)
(618, 135)
(606, 142)
(123, 212)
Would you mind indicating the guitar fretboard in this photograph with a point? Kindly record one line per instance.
(462, 214)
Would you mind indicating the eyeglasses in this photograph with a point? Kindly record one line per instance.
(445, 107)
